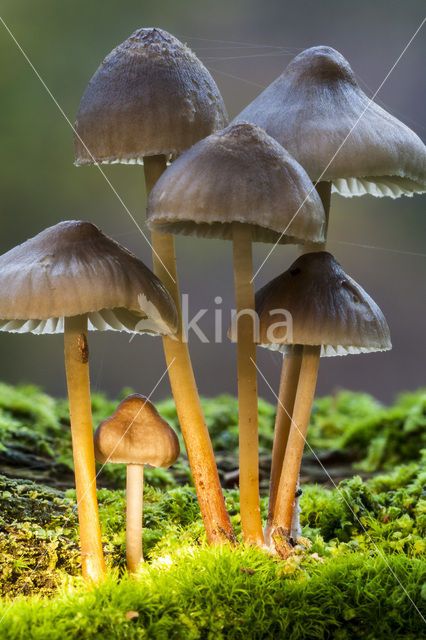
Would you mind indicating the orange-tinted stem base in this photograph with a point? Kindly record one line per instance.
(247, 387)
(194, 430)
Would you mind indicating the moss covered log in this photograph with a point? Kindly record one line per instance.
(348, 432)
(361, 541)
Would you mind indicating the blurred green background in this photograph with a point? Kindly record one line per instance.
(245, 45)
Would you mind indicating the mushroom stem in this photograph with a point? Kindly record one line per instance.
(324, 191)
(247, 386)
(287, 393)
(296, 440)
(134, 507)
(194, 430)
(77, 371)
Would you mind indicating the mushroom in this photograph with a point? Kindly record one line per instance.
(135, 435)
(71, 278)
(240, 184)
(344, 141)
(317, 111)
(150, 100)
(331, 315)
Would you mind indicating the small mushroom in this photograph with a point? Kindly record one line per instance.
(135, 435)
(69, 279)
(150, 100)
(331, 315)
(240, 184)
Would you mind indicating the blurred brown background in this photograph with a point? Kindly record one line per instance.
(245, 45)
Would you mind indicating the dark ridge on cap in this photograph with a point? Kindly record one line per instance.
(324, 64)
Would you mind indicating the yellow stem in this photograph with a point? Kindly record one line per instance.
(287, 393)
(247, 386)
(194, 430)
(134, 508)
(77, 370)
(296, 440)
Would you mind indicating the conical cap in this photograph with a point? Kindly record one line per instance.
(150, 96)
(316, 105)
(136, 434)
(324, 306)
(238, 175)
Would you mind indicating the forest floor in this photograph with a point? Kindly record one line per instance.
(359, 572)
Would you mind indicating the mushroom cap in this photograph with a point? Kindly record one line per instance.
(327, 308)
(239, 175)
(150, 96)
(311, 108)
(73, 269)
(136, 434)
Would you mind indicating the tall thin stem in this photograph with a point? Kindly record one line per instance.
(247, 386)
(324, 191)
(134, 508)
(296, 440)
(194, 430)
(286, 396)
(77, 371)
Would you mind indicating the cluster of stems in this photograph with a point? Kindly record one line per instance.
(296, 394)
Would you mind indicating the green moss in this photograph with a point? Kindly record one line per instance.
(387, 511)
(333, 415)
(385, 514)
(38, 538)
(368, 535)
(220, 593)
(35, 433)
(35, 438)
(390, 436)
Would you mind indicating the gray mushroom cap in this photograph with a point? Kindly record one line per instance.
(238, 175)
(326, 307)
(136, 434)
(150, 96)
(72, 269)
(312, 107)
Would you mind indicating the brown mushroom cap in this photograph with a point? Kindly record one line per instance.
(136, 434)
(73, 269)
(327, 307)
(311, 108)
(150, 96)
(239, 175)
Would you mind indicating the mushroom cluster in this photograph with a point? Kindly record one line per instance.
(267, 177)
(348, 145)
(69, 279)
(235, 184)
(196, 196)
(150, 100)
